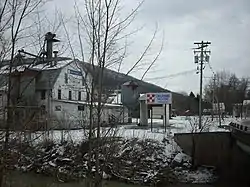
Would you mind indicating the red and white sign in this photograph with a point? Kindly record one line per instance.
(150, 98)
(158, 98)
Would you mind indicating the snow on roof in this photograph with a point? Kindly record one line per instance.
(87, 103)
(117, 99)
(5, 69)
(246, 102)
(59, 65)
(142, 97)
(38, 67)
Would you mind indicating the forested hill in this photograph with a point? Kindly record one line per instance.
(113, 80)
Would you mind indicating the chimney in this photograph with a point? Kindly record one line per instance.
(50, 39)
(55, 57)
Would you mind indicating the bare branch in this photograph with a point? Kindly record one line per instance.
(155, 59)
(144, 53)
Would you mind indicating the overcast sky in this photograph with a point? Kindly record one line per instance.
(226, 23)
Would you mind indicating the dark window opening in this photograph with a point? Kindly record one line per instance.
(87, 96)
(83, 81)
(43, 94)
(80, 107)
(66, 78)
(79, 96)
(70, 95)
(59, 94)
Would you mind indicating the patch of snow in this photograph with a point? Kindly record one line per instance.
(105, 176)
(150, 158)
(60, 150)
(67, 159)
(52, 164)
(178, 158)
(202, 175)
(181, 157)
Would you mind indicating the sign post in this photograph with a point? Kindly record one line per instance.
(163, 99)
(151, 119)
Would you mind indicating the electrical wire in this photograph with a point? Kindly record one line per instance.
(172, 75)
(211, 68)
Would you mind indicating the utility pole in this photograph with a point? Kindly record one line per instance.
(201, 49)
(213, 97)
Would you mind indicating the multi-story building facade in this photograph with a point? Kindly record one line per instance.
(56, 90)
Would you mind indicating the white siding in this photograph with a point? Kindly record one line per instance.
(70, 117)
(75, 83)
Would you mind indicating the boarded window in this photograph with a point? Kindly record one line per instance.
(43, 94)
(79, 96)
(80, 107)
(59, 94)
(70, 95)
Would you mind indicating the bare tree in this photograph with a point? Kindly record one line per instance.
(101, 33)
(227, 89)
(14, 15)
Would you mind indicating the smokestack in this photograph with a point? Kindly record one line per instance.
(50, 39)
(55, 57)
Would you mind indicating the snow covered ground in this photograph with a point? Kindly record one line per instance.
(180, 124)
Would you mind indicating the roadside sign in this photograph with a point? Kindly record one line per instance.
(159, 98)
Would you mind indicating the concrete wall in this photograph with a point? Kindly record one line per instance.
(218, 149)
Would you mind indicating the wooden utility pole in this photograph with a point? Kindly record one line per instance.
(213, 97)
(200, 61)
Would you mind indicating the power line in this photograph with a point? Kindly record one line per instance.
(172, 75)
(210, 66)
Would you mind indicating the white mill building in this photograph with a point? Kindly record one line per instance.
(53, 90)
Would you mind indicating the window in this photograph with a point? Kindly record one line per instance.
(59, 94)
(83, 83)
(79, 96)
(66, 78)
(70, 95)
(43, 94)
(87, 96)
(80, 107)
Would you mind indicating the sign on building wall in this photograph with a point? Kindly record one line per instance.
(75, 76)
(158, 98)
(74, 72)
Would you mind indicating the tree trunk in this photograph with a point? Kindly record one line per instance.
(193, 152)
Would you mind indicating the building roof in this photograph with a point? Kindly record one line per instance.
(47, 74)
(35, 65)
(87, 103)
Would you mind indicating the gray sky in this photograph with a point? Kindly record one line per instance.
(226, 23)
